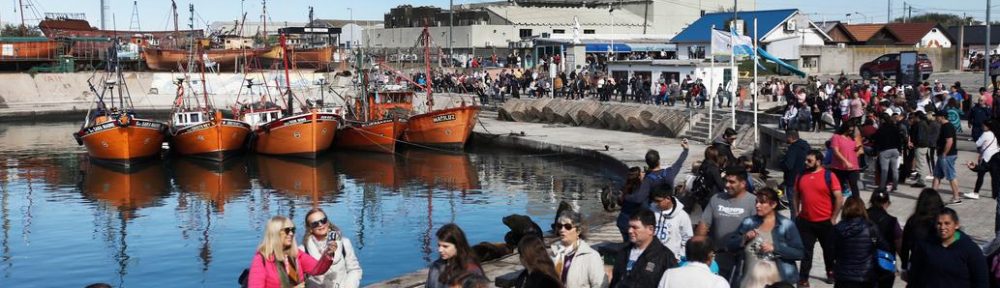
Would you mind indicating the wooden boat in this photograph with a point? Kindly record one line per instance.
(374, 136)
(216, 182)
(199, 130)
(67, 27)
(167, 59)
(315, 58)
(117, 133)
(447, 128)
(27, 48)
(305, 133)
(311, 178)
(125, 189)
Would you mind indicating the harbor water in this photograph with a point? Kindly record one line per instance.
(69, 222)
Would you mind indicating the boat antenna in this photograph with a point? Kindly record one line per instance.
(173, 7)
(426, 39)
(288, 81)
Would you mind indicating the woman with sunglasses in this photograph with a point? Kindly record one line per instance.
(345, 271)
(577, 265)
(278, 263)
(457, 261)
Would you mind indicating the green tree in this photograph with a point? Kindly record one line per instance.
(944, 19)
(11, 30)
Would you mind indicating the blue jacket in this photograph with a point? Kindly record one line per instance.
(640, 197)
(787, 244)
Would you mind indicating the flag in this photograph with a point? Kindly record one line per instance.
(723, 44)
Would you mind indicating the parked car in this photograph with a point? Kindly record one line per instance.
(887, 65)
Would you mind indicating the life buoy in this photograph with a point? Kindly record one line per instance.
(124, 120)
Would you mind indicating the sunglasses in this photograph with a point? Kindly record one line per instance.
(288, 230)
(567, 226)
(315, 224)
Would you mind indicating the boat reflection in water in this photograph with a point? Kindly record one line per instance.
(444, 170)
(370, 168)
(216, 182)
(295, 177)
(127, 189)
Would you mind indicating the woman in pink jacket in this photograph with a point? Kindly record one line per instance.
(279, 263)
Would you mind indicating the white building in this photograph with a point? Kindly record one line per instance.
(780, 32)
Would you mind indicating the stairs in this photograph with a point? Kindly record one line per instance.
(699, 130)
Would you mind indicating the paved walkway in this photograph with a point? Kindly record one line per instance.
(629, 148)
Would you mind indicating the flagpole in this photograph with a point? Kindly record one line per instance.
(756, 129)
(732, 60)
(711, 83)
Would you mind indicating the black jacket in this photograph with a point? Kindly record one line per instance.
(887, 227)
(712, 177)
(725, 149)
(853, 239)
(794, 161)
(960, 265)
(536, 280)
(888, 137)
(647, 270)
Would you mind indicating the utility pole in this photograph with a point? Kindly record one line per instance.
(451, 22)
(888, 8)
(989, 48)
(645, 17)
(104, 8)
(134, 23)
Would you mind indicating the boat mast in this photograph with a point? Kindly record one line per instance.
(204, 87)
(24, 29)
(426, 39)
(263, 17)
(288, 81)
(173, 7)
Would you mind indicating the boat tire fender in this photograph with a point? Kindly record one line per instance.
(124, 120)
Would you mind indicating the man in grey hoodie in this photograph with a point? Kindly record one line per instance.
(673, 225)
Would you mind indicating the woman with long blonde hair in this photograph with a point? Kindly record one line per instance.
(279, 263)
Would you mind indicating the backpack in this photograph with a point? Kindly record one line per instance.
(697, 194)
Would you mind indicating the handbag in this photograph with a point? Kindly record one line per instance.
(886, 260)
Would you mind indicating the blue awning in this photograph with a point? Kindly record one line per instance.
(652, 47)
(606, 47)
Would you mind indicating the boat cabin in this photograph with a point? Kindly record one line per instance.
(383, 103)
(182, 119)
(260, 117)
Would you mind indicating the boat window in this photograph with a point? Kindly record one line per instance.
(195, 118)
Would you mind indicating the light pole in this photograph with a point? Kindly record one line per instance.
(989, 50)
(350, 45)
(863, 16)
(611, 10)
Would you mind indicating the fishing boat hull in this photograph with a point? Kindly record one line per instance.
(173, 59)
(303, 135)
(28, 48)
(375, 136)
(315, 58)
(212, 140)
(447, 128)
(124, 140)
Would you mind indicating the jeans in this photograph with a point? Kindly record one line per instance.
(811, 232)
(921, 160)
(945, 168)
(848, 179)
(888, 161)
(622, 224)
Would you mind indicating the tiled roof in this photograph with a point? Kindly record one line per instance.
(863, 32)
(910, 33)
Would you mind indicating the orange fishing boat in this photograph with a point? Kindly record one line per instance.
(113, 131)
(302, 134)
(448, 128)
(217, 182)
(380, 123)
(199, 130)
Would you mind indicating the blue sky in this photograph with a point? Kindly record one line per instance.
(154, 14)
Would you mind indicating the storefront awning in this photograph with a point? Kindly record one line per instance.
(606, 47)
(652, 47)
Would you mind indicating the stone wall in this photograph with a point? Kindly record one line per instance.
(647, 119)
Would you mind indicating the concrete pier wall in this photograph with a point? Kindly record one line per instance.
(631, 117)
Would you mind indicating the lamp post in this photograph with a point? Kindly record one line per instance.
(350, 44)
(611, 10)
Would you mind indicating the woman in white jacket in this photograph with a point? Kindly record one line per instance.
(345, 271)
(577, 265)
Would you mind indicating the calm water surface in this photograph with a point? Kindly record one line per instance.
(67, 222)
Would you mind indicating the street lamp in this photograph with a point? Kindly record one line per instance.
(863, 16)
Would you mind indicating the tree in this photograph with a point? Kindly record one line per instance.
(946, 20)
(11, 30)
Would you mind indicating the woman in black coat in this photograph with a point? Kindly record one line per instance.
(854, 239)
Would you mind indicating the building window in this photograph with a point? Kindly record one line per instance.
(525, 33)
(558, 31)
(810, 61)
(588, 31)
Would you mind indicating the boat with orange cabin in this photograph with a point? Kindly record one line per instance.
(113, 131)
(377, 122)
(446, 128)
(284, 131)
(197, 129)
